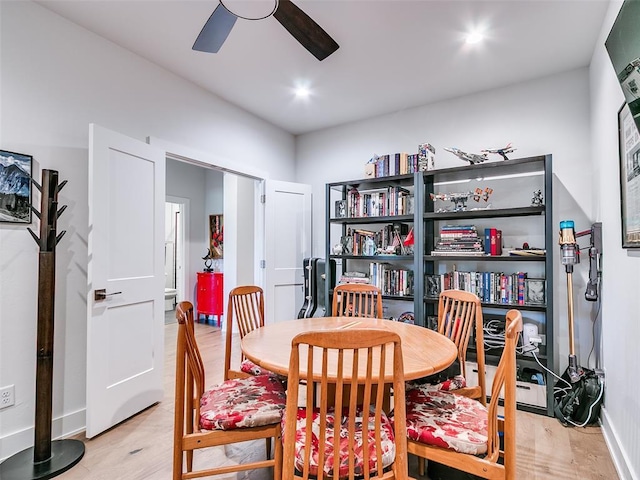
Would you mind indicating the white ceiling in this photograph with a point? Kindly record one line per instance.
(393, 54)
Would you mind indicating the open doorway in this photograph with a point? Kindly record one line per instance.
(174, 254)
(258, 214)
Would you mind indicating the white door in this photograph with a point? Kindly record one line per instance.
(125, 344)
(287, 243)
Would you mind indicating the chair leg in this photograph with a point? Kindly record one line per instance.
(177, 462)
(421, 462)
(277, 467)
(189, 460)
(268, 448)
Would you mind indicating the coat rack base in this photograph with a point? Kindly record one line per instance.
(64, 455)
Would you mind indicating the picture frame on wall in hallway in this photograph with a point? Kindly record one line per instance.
(629, 145)
(15, 187)
(216, 235)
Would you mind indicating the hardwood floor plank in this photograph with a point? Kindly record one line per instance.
(141, 447)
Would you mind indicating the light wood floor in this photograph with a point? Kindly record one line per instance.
(141, 447)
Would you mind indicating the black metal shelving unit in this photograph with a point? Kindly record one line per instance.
(510, 174)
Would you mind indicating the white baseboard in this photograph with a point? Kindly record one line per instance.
(618, 455)
(61, 427)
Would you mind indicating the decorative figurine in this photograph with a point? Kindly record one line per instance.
(472, 158)
(208, 260)
(500, 151)
(536, 200)
(460, 199)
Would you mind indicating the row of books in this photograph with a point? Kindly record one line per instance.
(396, 164)
(387, 240)
(490, 287)
(492, 241)
(388, 202)
(390, 279)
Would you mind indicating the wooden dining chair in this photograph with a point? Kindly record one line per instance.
(233, 411)
(361, 442)
(460, 313)
(461, 432)
(356, 300)
(246, 305)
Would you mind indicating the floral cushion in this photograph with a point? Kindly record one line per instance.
(447, 420)
(242, 402)
(447, 385)
(251, 368)
(387, 443)
(247, 366)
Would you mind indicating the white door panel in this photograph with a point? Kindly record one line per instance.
(287, 243)
(126, 258)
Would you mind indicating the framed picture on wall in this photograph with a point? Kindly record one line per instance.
(216, 235)
(629, 145)
(15, 187)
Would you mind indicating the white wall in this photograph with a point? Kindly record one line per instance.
(621, 272)
(55, 79)
(549, 115)
(239, 231)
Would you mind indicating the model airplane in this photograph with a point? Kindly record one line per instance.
(460, 199)
(500, 151)
(472, 158)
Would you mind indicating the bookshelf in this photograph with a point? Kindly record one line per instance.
(510, 208)
(379, 210)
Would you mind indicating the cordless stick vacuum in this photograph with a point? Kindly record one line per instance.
(570, 256)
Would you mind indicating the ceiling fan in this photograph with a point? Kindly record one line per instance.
(310, 35)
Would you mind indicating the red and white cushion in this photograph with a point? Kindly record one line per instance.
(448, 385)
(447, 420)
(247, 366)
(251, 368)
(453, 383)
(243, 402)
(387, 443)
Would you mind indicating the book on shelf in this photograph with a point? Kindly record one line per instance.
(391, 280)
(493, 241)
(383, 202)
(469, 253)
(528, 252)
(395, 164)
(491, 287)
(354, 277)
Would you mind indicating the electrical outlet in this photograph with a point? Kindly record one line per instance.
(7, 396)
(543, 337)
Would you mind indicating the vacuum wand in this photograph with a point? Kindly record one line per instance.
(570, 256)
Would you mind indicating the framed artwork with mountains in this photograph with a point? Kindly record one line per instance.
(15, 187)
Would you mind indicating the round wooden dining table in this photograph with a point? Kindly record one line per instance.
(424, 351)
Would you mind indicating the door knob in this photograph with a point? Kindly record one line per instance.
(101, 294)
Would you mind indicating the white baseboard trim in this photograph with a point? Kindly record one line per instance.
(61, 427)
(618, 454)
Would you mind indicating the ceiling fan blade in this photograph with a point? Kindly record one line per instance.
(215, 31)
(306, 31)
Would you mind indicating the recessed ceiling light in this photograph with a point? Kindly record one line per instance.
(302, 92)
(474, 37)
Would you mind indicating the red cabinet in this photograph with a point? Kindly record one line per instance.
(209, 295)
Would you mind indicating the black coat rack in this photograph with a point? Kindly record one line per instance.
(46, 459)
